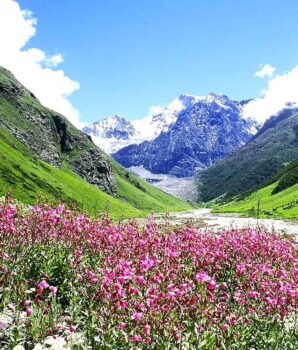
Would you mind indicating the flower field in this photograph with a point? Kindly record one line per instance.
(130, 286)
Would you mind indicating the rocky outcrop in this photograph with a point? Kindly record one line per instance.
(50, 136)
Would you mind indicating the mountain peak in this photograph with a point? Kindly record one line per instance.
(116, 117)
(114, 126)
(213, 97)
(115, 132)
(188, 100)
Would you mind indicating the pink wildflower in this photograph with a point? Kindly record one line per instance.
(140, 280)
(211, 285)
(53, 289)
(106, 281)
(147, 329)
(137, 316)
(137, 338)
(240, 269)
(122, 325)
(119, 290)
(253, 294)
(233, 320)
(43, 285)
(225, 327)
(202, 277)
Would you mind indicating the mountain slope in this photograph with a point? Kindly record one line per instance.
(29, 177)
(287, 177)
(281, 205)
(42, 152)
(279, 199)
(50, 136)
(204, 132)
(253, 165)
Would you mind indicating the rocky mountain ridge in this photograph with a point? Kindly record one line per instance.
(206, 130)
(116, 132)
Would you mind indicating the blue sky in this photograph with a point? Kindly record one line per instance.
(128, 55)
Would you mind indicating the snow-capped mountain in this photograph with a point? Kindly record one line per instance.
(116, 132)
(112, 127)
(205, 130)
(112, 133)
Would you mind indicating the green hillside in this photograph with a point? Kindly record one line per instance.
(28, 177)
(280, 205)
(287, 177)
(279, 199)
(41, 152)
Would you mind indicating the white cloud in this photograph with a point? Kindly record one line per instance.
(33, 67)
(281, 91)
(55, 60)
(266, 71)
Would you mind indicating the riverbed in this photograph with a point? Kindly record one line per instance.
(205, 218)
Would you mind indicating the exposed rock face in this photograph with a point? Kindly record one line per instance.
(204, 132)
(50, 136)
